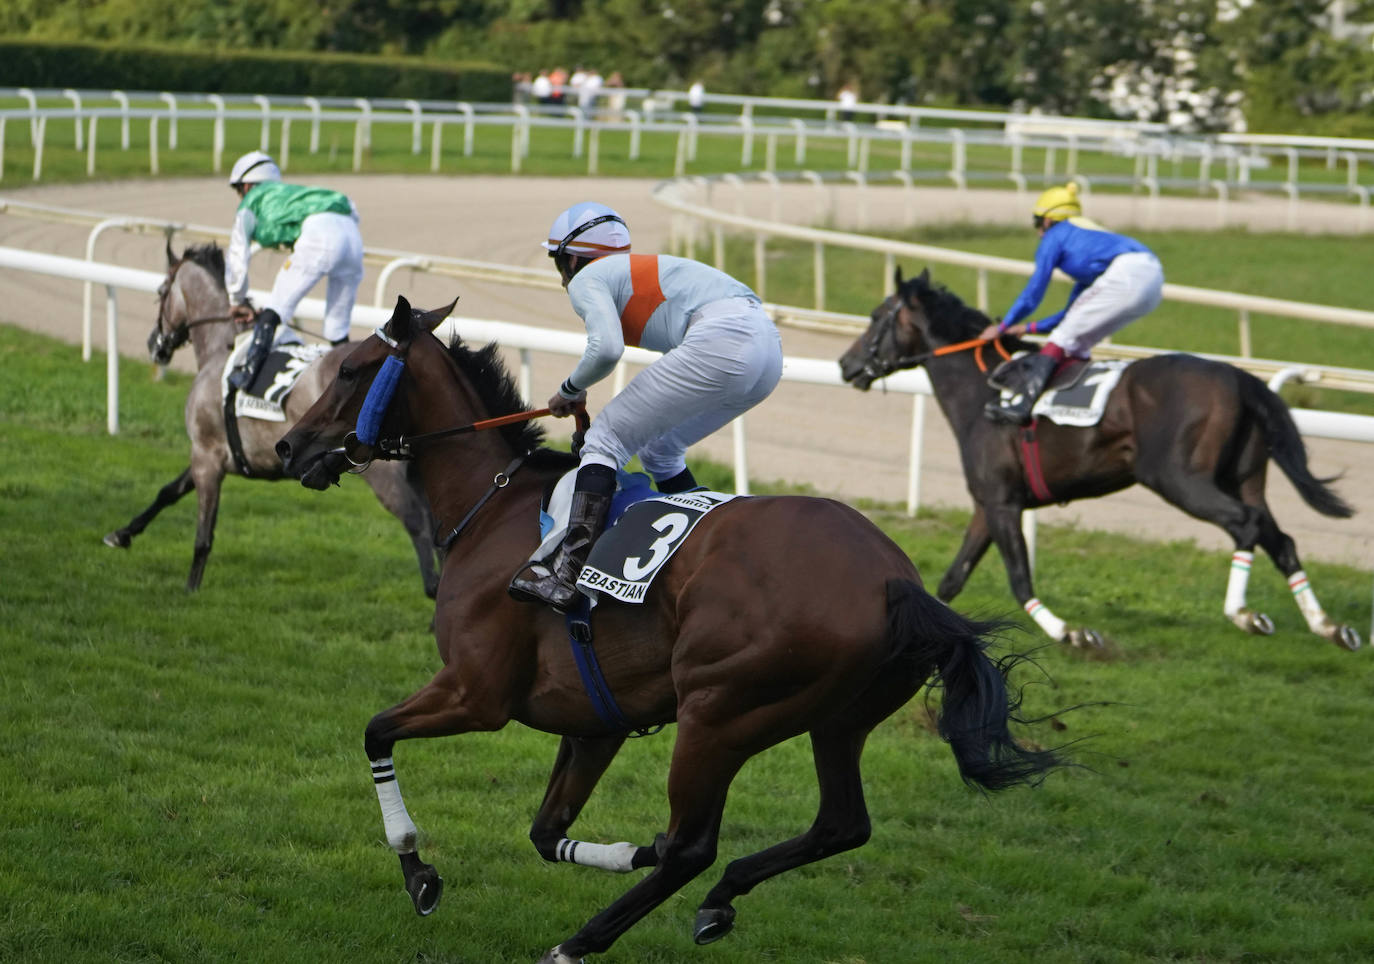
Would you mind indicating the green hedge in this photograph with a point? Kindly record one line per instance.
(35, 63)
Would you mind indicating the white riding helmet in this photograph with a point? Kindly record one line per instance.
(588, 230)
(253, 167)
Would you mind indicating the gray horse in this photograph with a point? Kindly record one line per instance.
(194, 306)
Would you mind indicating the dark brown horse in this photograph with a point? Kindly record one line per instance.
(194, 306)
(1200, 433)
(776, 617)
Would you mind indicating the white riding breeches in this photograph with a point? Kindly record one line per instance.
(330, 246)
(729, 360)
(1130, 288)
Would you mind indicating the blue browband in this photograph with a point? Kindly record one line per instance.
(378, 398)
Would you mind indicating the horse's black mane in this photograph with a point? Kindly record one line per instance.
(487, 372)
(950, 319)
(209, 256)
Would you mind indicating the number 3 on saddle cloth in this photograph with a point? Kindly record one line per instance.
(643, 531)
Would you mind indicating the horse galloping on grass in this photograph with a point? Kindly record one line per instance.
(775, 617)
(1200, 433)
(194, 306)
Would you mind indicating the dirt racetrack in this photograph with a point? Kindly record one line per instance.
(837, 440)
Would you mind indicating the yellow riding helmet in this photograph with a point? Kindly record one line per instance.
(1058, 204)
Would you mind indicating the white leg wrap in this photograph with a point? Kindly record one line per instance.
(1241, 561)
(400, 829)
(1307, 602)
(614, 857)
(1053, 626)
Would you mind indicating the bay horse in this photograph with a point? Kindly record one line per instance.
(194, 306)
(1198, 432)
(776, 617)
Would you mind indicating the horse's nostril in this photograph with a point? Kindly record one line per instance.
(284, 451)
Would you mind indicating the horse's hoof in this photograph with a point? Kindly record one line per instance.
(713, 923)
(425, 887)
(1346, 637)
(117, 540)
(1084, 639)
(1257, 624)
(556, 956)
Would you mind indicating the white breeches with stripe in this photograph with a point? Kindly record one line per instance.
(330, 246)
(1130, 288)
(728, 362)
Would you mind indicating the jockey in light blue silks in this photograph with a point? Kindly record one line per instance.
(722, 355)
(1117, 278)
(320, 227)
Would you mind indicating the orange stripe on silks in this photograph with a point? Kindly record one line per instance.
(645, 296)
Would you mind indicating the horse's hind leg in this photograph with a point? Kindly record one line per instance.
(168, 494)
(580, 763)
(1284, 552)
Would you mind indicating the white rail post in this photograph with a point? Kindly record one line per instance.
(632, 116)
(851, 133)
(693, 126)
(522, 125)
(1049, 162)
(579, 129)
(982, 289)
(123, 100)
(918, 437)
(359, 139)
(391, 268)
(799, 147)
(1291, 189)
(1243, 332)
(905, 163)
(818, 269)
(314, 104)
(32, 98)
(364, 123)
(741, 456)
(1221, 190)
(88, 286)
(1362, 194)
(680, 155)
(170, 99)
(90, 146)
(858, 178)
(774, 194)
(111, 361)
(38, 147)
(284, 160)
(515, 152)
(2, 147)
(760, 265)
(415, 133)
(265, 135)
(718, 245)
(889, 272)
(436, 135)
(152, 143)
(468, 125)
(593, 149)
(746, 151)
(75, 98)
(217, 138)
(770, 151)
(1352, 165)
(959, 159)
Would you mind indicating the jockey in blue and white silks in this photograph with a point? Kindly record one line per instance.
(722, 355)
(320, 227)
(1117, 280)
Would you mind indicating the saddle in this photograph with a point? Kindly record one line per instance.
(1008, 376)
(278, 375)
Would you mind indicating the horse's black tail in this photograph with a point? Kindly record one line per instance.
(1286, 448)
(977, 705)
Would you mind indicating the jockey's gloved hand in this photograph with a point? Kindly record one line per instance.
(242, 313)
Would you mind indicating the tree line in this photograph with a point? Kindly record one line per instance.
(1198, 64)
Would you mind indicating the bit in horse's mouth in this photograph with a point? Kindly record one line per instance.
(323, 471)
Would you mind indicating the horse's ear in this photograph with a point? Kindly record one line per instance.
(897, 279)
(171, 258)
(925, 277)
(399, 328)
(432, 319)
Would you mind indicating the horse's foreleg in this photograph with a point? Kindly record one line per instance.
(208, 483)
(436, 710)
(1005, 526)
(976, 542)
(580, 764)
(168, 494)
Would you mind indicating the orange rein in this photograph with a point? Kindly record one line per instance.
(977, 343)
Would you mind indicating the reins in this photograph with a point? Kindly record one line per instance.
(911, 361)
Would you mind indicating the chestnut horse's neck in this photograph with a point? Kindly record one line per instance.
(457, 471)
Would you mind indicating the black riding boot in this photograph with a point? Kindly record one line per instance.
(1033, 379)
(684, 481)
(264, 327)
(554, 580)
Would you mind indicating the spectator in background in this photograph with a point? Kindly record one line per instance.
(589, 91)
(696, 97)
(541, 88)
(848, 98)
(559, 78)
(578, 78)
(615, 96)
(520, 87)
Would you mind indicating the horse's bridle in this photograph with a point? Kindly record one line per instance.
(163, 342)
(884, 328)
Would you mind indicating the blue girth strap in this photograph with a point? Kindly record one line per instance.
(579, 620)
(378, 398)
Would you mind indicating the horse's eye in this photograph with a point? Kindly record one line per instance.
(347, 374)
